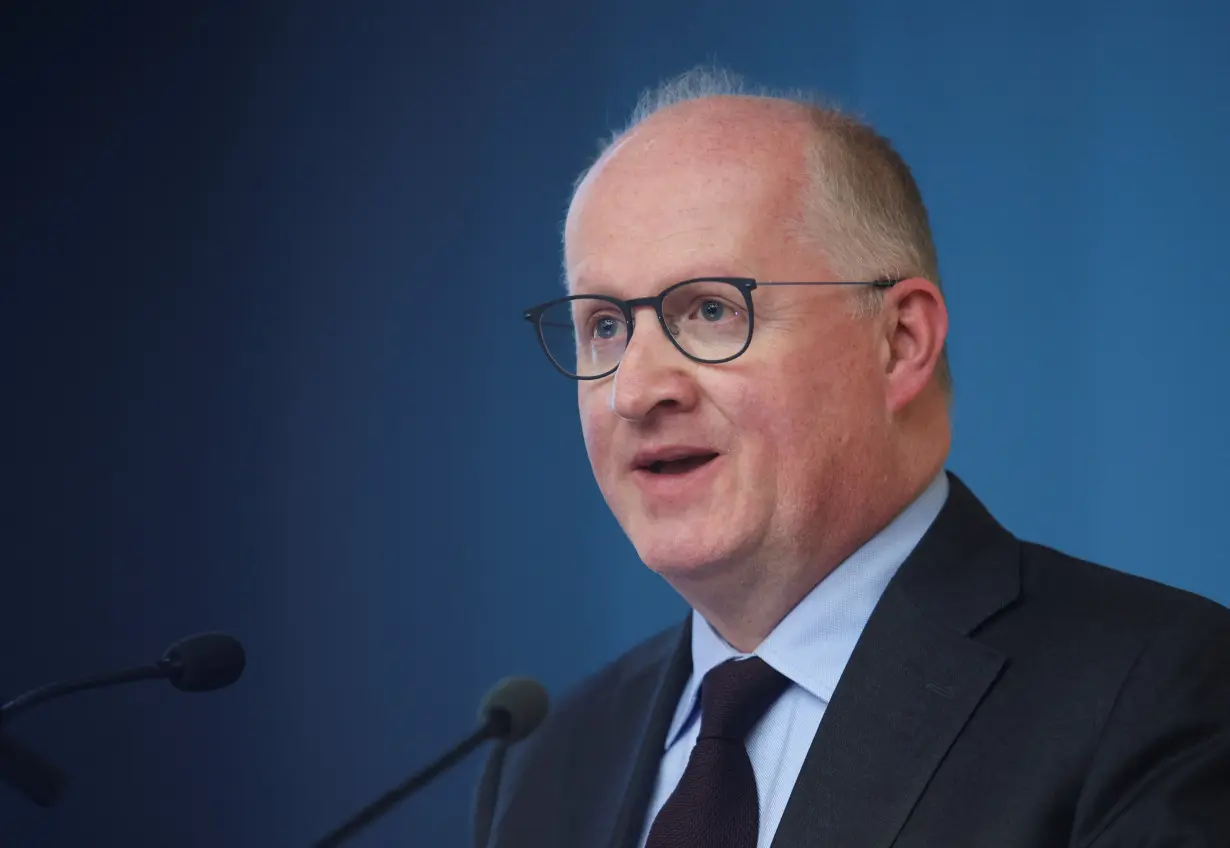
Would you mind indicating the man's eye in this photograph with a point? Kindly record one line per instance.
(605, 327)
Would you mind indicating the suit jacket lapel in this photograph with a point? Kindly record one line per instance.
(638, 717)
(910, 686)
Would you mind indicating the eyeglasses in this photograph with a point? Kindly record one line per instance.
(708, 319)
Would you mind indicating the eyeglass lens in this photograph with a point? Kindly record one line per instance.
(587, 336)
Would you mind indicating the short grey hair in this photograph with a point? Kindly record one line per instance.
(864, 210)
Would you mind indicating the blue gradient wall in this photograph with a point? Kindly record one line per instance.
(265, 371)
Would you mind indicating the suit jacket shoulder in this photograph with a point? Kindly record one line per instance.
(1095, 627)
(596, 742)
(1092, 591)
(1146, 665)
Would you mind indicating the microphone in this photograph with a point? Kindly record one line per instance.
(198, 663)
(509, 712)
(193, 664)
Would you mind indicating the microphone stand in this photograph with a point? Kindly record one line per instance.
(497, 725)
(28, 773)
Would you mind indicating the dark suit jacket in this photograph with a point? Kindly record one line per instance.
(1001, 695)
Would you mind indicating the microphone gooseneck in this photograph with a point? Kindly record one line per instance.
(509, 712)
(28, 700)
(194, 664)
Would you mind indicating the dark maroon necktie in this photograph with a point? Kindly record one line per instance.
(715, 804)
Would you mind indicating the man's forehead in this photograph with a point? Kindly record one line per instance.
(735, 134)
(678, 229)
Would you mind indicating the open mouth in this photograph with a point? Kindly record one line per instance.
(682, 465)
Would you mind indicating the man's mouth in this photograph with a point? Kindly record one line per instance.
(679, 465)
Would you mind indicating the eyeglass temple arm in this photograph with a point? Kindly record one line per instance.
(876, 283)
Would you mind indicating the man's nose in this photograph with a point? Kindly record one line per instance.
(652, 374)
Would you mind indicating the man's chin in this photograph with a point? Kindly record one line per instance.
(682, 558)
(691, 542)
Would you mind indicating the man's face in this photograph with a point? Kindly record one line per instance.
(787, 423)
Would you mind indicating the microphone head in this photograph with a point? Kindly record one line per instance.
(204, 662)
(517, 705)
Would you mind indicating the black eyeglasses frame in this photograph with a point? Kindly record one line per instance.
(746, 285)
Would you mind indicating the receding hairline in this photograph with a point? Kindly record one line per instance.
(706, 84)
(772, 137)
(758, 115)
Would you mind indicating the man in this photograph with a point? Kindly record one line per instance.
(757, 332)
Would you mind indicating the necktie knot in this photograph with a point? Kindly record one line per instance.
(734, 696)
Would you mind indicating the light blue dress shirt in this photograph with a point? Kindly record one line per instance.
(810, 646)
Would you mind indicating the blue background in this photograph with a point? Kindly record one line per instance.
(264, 368)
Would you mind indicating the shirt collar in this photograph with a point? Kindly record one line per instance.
(813, 643)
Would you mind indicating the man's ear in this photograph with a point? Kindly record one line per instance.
(915, 328)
